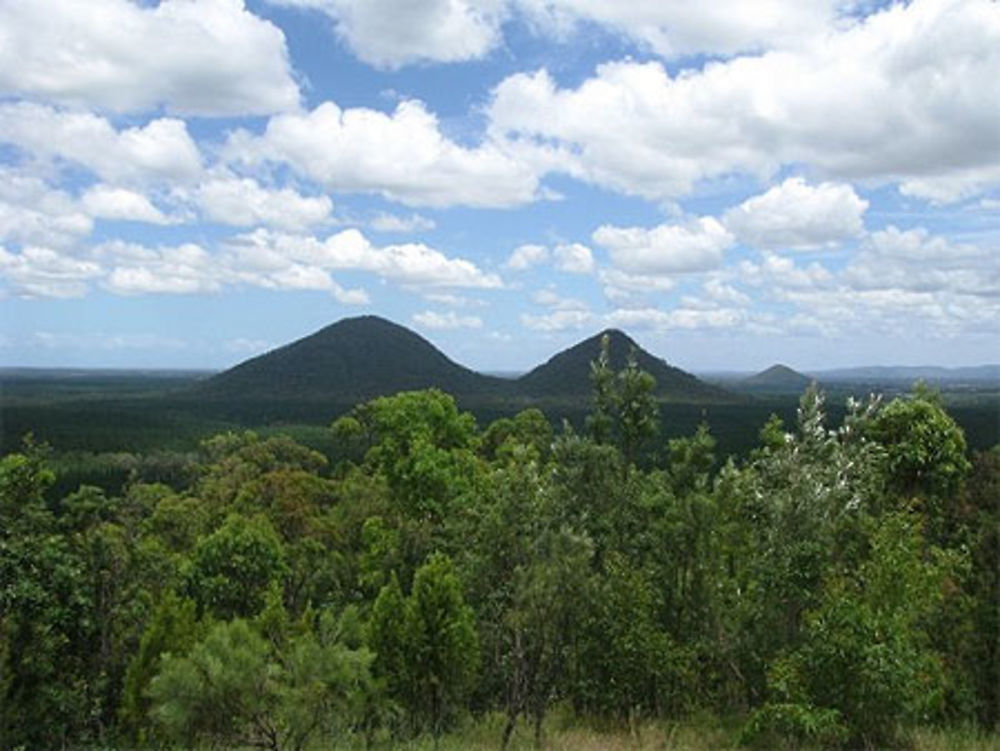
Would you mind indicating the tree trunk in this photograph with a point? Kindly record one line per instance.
(508, 730)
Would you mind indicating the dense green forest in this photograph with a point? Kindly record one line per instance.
(839, 586)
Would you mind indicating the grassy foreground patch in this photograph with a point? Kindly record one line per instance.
(565, 733)
(954, 739)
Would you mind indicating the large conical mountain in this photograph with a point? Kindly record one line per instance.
(567, 374)
(353, 359)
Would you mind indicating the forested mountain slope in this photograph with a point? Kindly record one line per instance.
(567, 374)
(355, 358)
(368, 356)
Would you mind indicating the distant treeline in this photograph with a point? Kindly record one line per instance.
(114, 424)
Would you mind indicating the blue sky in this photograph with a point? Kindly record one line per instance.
(191, 182)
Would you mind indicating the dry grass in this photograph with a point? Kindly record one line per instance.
(565, 733)
(954, 740)
(648, 738)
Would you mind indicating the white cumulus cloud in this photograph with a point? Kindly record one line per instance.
(557, 320)
(161, 150)
(776, 273)
(43, 272)
(525, 256)
(724, 294)
(449, 320)
(133, 269)
(917, 261)
(573, 258)
(552, 299)
(107, 202)
(675, 27)
(243, 202)
(796, 215)
(677, 318)
(393, 33)
(33, 213)
(413, 264)
(136, 270)
(697, 245)
(402, 156)
(385, 222)
(212, 57)
(622, 287)
(896, 98)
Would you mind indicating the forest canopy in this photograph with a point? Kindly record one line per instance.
(838, 587)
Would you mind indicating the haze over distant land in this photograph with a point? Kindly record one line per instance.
(817, 186)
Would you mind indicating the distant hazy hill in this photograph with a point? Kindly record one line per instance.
(355, 358)
(909, 374)
(567, 374)
(776, 378)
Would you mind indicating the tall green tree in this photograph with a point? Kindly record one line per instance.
(232, 569)
(45, 630)
(388, 638)
(866, 661)
(624, 411)
(794, 511)
(638, 413)
(443, 647)
(926, 458)
(541, 624)
(173, 628)
(623, 657)
(527, 428)
(981, 653)
(424, 447)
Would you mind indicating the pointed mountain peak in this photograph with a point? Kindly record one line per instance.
(612, 334)
(777, 377)
(568, 372)
(619, 346)
(780, 370)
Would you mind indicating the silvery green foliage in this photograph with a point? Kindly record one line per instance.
(822, 471)
(797, 507)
